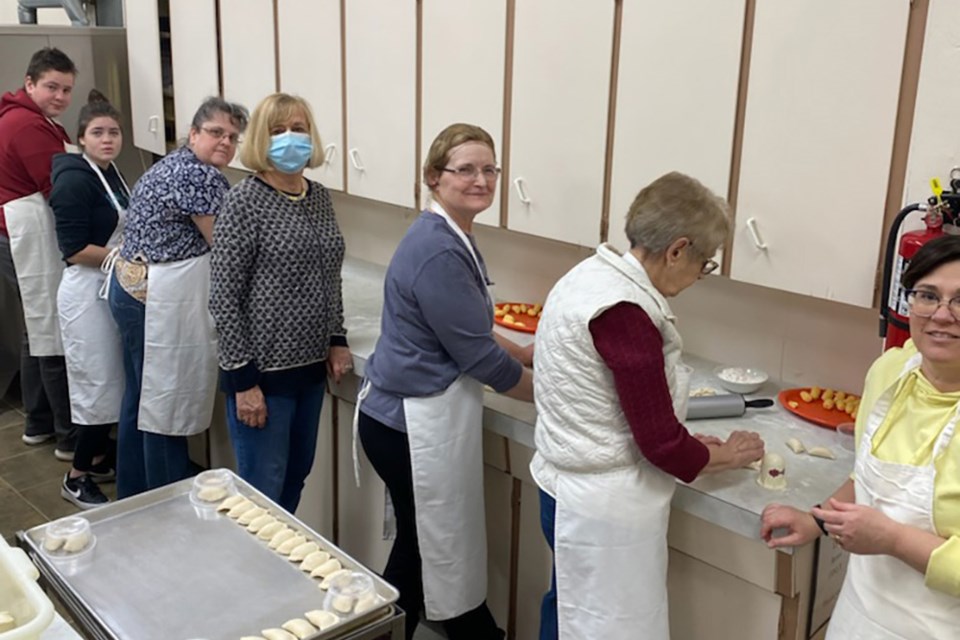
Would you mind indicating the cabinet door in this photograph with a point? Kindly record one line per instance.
(561, 90)
(818, 133)
(936, 128)
(674, 112)
(247, 53)
(146, 84)
(310, 67)
(463, 74)
(381, 39)
(193, 40)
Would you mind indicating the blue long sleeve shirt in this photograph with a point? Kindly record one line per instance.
(437, 324)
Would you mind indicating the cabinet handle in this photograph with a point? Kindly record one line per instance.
(329, 152)
(521, 192)
(757, 240)
(153, 123)
(355, 160)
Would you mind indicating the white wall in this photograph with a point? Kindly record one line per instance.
(796, 338)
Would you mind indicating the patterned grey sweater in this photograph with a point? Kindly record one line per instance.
(275, 289)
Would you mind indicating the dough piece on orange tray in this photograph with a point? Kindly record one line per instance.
(795, 445)
(322, 619)
(821, 452)
(815, 392)
(299, 627)
(773, 472)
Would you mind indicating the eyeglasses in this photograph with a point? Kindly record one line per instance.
(220, 134)
(709, 266)
(470, 172)
(924, 304)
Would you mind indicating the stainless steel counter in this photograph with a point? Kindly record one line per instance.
(732, 500)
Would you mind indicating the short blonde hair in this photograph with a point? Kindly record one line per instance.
(677, 206)
(446, 141)
(273, 110)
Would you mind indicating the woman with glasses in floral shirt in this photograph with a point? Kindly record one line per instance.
(158, 297)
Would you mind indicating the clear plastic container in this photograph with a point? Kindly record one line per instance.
(351, 593)
(210, 488)
(69, 543)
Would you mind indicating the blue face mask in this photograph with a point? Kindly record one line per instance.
(290, 151)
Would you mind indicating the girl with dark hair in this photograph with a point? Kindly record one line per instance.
(89, 200)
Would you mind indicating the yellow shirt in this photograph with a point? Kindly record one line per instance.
(907, 436)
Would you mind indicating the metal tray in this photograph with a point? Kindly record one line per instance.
(160, 571)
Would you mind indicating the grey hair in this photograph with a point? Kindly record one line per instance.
(213, 105)
(677, 206)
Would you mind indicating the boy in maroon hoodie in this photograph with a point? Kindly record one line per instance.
(29, 138)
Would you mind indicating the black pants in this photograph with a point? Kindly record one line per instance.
(92, 440)
(389, 453)
(43, 380)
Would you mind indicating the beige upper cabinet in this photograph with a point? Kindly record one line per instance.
(675, 111)
(247, 50)
(146, 83)
(310, 58)
(818, 134)
(934, 148)
(463, 74)
(193, 40)
(561, 89)
(381, 64)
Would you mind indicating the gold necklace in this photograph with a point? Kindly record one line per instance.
(293, 197)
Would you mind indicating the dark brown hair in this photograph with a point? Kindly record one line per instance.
(930, 257)
(49, 59)
(97, 107)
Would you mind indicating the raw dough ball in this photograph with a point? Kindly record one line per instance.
(278, 634)
(821, 452)
(77, 542)
(299, 627)
(7, 621)
(212, 494)
(289, 545)
(302, 551)
(773, 472)
(322, 619)
(259, 523)
(231, 502)
(326, 569)
(795, 445)
(329, 578)
(269, 530)
(240, 508)
(343, 604)
(280, 537)
(250, 515)
(314, 560)
(52, 542)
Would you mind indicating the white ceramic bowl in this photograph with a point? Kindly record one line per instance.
(740, 379)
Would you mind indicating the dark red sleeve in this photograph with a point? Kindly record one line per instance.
(632, 347)
(36, 147)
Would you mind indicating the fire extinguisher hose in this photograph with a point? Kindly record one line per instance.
(888, 263)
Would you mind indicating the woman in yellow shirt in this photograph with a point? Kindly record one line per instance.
(899, 514)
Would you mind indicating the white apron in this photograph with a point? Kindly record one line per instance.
(36, 258)
(179, 350)
(91, 342)
(610, 547)
(883, 598)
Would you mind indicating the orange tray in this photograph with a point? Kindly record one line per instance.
(813, 411)
(529, 322)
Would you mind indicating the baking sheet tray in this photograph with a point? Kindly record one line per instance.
(160, 572)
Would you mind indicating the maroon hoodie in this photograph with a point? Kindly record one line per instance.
(28, 142)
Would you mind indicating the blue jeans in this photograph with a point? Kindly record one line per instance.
(548, 608)
(144, 460)
(277, 458)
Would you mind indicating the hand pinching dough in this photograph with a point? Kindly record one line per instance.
(821, 452)
(795, 445)
(299, 627)
(773, 472)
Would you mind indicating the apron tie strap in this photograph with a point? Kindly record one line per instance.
(107, 267)
(361, 396)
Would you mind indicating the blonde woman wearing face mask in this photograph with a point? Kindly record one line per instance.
(89, 202)
(277, 301)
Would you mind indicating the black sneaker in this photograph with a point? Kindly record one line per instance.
(102, 472)
(82, 491)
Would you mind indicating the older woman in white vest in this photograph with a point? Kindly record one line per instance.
(610, 392)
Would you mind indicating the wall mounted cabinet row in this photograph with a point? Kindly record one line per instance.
(551, 79)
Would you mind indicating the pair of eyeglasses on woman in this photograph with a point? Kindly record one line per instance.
(924, 303)
(220, 134)
(470, 172)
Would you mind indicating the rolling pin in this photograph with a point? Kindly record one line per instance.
(728, 405)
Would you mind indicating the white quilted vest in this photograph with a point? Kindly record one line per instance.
(580, 425)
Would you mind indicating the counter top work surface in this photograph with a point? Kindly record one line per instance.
(731, 499)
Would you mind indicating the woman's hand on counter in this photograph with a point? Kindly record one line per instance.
(252, 408)
(339, 363)
(523, 354)
(740, 449)
(800, 526)
(705, 439)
